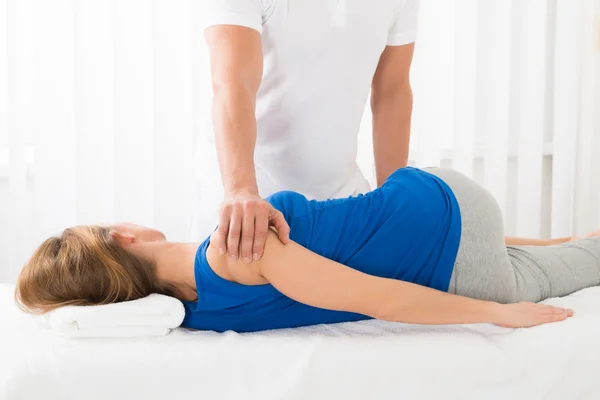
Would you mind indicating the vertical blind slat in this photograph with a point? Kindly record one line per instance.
(465, 44)
(55, 139)
(94, 110)
(20, 72)
(364, 157)
(587, 180)
(495, 58)
(566, 113)
(530, 108)
(420, 86)
(173, 116)
(596, 119)
(433, 83)
(207, 185)
(3, 76)
(5, 200)
(134, 111)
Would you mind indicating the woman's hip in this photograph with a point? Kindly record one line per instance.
(482, 267)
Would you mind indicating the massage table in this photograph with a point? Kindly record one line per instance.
(361, 360)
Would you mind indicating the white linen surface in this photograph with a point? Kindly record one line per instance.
(154, 315)
(364, 360)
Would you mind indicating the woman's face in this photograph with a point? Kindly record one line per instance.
(141, 233)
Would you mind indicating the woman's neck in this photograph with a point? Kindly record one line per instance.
(175, 264)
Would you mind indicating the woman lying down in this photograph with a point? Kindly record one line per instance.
(425, 248)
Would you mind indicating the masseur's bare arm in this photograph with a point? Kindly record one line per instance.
(244, 217)
(391, 104)
(317, 281)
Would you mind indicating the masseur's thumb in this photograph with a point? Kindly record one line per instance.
(277, 221)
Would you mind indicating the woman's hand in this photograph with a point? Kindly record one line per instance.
(594, 234)
(526, 315)
(590, 235)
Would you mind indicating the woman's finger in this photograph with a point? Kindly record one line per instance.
(235, 231)
(549, 309)
(568, 312)
(549, 318)
(556, 310)
(558, 317)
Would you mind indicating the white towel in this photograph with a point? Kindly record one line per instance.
(151, 316)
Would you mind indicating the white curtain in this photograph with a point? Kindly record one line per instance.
(101, 103)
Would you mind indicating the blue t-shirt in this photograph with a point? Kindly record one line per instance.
(409, 229)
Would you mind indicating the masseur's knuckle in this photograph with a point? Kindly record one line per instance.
(248, 205)
(237, 208)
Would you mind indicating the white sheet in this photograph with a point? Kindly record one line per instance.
(365, 360)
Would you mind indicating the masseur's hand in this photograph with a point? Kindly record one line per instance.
(244, 220)
(526, 315)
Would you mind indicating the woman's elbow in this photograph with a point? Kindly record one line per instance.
(388, 306)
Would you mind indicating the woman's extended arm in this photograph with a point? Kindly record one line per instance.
(317, 281)
(517, 241)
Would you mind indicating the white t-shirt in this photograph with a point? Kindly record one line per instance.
(319, 60)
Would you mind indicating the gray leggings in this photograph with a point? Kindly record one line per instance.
(487, 269)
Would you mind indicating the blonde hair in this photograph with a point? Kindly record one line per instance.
(85, 266)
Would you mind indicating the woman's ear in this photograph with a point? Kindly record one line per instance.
(122, 238)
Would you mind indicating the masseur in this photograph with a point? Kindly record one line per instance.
(291, 79)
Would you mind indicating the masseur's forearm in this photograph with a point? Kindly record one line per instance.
(516, 241)
(391, 130)
(235, 133)
(236, 66)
